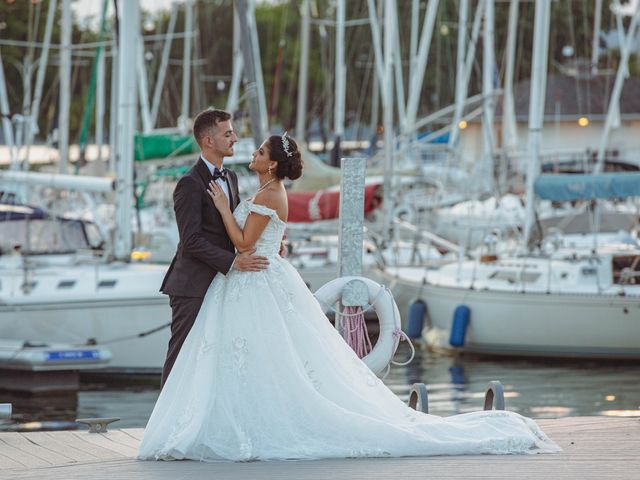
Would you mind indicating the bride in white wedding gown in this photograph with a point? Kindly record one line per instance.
(263, 375)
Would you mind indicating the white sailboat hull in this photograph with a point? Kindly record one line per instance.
(110, 316)
(541, 324)
(531, 324)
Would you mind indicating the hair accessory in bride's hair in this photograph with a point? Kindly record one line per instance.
(285, 144)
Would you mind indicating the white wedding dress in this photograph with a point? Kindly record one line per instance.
(263, 375)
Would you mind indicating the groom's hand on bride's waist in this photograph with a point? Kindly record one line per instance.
(248, 262)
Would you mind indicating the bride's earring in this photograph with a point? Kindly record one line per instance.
(269, 170)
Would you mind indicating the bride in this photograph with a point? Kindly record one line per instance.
(263, 375)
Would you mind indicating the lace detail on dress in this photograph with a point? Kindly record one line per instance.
(269, 241)
(240, 352)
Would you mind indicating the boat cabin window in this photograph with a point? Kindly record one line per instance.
(515, 277)
(47, 235)
(107, 283)
(626, 269)
(66, 283)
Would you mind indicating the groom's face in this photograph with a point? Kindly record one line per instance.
(223, 138)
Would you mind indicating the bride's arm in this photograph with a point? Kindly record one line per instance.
(242, 239)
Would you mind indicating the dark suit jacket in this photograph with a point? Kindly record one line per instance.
(204, 248)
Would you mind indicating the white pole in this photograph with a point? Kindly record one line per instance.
(183, 121)
(143, 85)
(65, 86)
(399, 78)
(617, 88)
(255, 46)
(100, 96)
(304, 70)
(113, 107)
(7, 128)
(236, 76)
(466, 75)
(595, 48)
(415, 86)
(509, 130)
(340, 76)
(377, 47)
(129, 21)
(387, 99)
(59, 180)
(536, 105)
(488, 104)
(413, 45)
(461, 90)
(32, 123)
(164, 62)
(252, 87)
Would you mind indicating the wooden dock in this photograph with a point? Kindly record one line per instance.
(594, 447)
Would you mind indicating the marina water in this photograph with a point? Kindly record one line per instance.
(535, 388)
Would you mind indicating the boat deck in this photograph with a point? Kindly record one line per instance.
(594, 447)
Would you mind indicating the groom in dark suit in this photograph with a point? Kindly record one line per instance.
(204, 249)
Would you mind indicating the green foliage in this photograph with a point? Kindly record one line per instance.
(278, 24)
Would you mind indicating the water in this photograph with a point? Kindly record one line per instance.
(535, 388)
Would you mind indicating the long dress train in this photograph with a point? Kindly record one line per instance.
(263, 375)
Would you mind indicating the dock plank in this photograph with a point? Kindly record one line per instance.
(51, 442)
(26, 458)
(593, 447)
(104, 441)
(21, 442)
(7, 463)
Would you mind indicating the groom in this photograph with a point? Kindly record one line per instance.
(204, 248)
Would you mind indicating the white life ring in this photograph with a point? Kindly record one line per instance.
(386, 309)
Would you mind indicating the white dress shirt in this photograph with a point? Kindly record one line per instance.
(220, 181)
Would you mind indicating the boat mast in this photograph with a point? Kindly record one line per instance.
(536, 105)
(488, 98)
(617, 88)
(340, 83)
(7, 128)
(387, 115)
(65, 86)
(164, 62)
(129, 42)
(258, 128)
(462, 85)
(304, 70)
(509, 130)
(183, 120)
(31, 124)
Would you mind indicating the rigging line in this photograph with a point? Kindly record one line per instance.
(585, 26)
(572, 35)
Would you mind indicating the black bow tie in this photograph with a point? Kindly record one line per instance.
(219, 174)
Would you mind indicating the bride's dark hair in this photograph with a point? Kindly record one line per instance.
(284, 150)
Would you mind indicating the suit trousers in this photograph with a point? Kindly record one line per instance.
(184, 311)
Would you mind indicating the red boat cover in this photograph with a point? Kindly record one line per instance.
(325, 204)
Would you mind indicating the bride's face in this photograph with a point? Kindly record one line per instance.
(260, 160)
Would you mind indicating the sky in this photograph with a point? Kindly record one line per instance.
(93, 8)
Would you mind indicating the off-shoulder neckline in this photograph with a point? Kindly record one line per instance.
(275, 213)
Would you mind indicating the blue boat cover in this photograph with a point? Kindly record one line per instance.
(566, 187)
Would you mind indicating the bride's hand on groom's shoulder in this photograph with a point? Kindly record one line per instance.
(218, 196)
(248, 262)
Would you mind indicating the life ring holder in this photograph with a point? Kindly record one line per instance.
(381, 300)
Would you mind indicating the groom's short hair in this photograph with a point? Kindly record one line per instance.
(206, 120)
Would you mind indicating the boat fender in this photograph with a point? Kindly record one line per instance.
(459, 326)
(415, 318)
(381, 300)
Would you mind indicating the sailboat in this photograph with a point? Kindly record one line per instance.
(85, 297)
(557, 301)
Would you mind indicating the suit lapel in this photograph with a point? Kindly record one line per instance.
(233, 189)
(203, 172)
